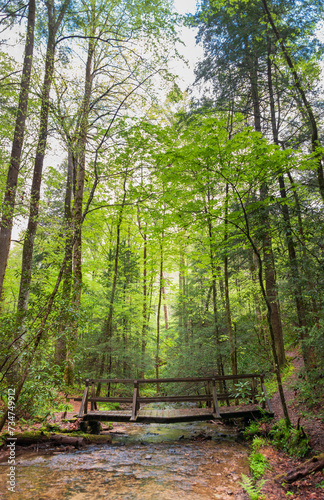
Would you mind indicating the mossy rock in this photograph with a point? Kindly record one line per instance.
(90, 426)
(97, 438)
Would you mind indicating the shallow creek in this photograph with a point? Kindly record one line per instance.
(155, 462)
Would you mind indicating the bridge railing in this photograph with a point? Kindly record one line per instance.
(217, 392)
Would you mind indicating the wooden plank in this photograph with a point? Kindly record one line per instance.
(171, 380)
(173, 399)
(83, 401)
(176, 415)
(107, 400)
(157, 399)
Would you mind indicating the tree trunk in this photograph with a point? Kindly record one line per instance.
(145, 297)
(270, 279)
(60, 345)
(219, 360)
(270, 274)
(305, 261)
(77, 213)
(293, 264)
(108, 331)
(307, 108)
(165, 307)
(233, 353)
(17, 145)
(157, 354)
(28, 247)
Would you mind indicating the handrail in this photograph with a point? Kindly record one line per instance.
(170, 380)
(212, 397)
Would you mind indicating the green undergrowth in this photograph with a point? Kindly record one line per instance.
(257, 461)
(109, 406)
(271, 383)
(258, 464)
(252, 488)
(295, 442)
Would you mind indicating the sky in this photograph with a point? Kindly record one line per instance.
(190, 51)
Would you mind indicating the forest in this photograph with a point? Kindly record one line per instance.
(148, 231)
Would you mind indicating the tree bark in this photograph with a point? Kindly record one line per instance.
(60, 346)
(307, 108)
(77, 212)
(269, 272)
(17, 145)
(28, 247)
(308, 354)
(310, 467)
(158, 315)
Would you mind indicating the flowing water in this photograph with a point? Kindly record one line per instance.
(155, 462)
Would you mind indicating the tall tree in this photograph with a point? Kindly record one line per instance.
(17, 146)
(54, 21)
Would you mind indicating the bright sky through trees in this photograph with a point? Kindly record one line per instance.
(190, 50)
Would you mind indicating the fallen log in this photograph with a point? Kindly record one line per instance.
(313, 465)
(29, 438)
(77, 442)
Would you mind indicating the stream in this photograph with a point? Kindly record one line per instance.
(144, 462)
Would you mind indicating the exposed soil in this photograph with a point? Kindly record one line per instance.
(314, 426)
(312, 486)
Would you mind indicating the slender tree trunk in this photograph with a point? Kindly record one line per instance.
(158, 315)
(28, 247)
(269, 272)
(165, 307)
(37, 340)
(17, 145)
(145, 297)
(307, 108)
(77, 213)
(293, 264)
(219, 360)
(269, 314)
(306, 268)
(233, 353)
(108, 333)
(60, 346)
(183, 325)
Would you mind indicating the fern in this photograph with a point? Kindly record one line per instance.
(251, 488)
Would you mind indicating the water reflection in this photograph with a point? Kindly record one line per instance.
(156, 461)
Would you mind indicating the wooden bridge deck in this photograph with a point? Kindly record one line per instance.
(172, 415)
(137, 407)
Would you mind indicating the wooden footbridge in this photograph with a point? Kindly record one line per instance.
(190, 399)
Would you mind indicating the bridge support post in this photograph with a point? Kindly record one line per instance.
(215, 400)
(135, 406)
(93, 395)
(84, 401)
(208, 394)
